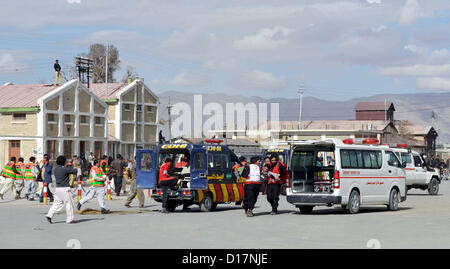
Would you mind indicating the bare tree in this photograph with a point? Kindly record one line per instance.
(97, 53)
(130, 74)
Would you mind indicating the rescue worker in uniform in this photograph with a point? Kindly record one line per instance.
(167, 182)
(19, 182)
(9, 173)
(96, 187)
(31, 173)
(134, 191)
(252, 186)
(274, 183)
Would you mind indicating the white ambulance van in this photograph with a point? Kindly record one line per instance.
(418, 174)
(335, 172)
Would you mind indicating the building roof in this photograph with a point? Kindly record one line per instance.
(373, 106)
(348, 125)
(99, 89)
(23, 96)
(416, 129)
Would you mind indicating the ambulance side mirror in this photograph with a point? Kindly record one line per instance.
(404, 165)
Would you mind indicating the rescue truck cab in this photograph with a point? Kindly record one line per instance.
(204, 172)
(335, 172)
(418, 174)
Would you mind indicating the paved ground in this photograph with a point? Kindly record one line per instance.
(422, 222)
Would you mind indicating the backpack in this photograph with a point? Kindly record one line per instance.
(245, 171)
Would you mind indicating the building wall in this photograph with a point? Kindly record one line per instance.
(374, 115)
(10, 127)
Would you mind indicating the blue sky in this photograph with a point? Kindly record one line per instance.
(337, 49)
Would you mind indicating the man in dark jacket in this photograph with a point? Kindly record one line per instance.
(116, 171)
(63, 194)
(47, 174)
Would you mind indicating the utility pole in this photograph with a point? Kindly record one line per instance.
(169, 108)
(84, 67)
(301, 90)
(106, 65)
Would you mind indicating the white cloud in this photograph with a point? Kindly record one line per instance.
(420, 70)
(184, 79)
(265, 39)
(259, 80)
(374, 1)
(74, 1)
(417, 50)
(409, 12)
(434, 83)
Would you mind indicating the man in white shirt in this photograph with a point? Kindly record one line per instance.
(252, 185)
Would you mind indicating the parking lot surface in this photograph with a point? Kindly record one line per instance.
(421, 222)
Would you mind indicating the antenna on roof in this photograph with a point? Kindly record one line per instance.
(84, 67)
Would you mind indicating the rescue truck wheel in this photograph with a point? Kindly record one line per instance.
(433, 187)
(207, 204)
(171, 206)
(306, 209)
(394, 199)
(353, 202)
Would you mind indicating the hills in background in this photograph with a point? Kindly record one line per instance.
(416, 108)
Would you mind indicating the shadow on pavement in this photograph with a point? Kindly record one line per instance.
(363, 210)
(78, 221)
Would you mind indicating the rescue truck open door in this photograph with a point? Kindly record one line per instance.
(146, 169)
(199, 169)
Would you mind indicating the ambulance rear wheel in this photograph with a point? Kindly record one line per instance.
(207, 204)
(307, 209)
(353, 202)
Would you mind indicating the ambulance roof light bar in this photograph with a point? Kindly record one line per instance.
(348, 141)
(213, 141)
(370, 141)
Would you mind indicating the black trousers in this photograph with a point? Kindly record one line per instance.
(273, 195)
(251, 192)
(118, 184)
(166, 185)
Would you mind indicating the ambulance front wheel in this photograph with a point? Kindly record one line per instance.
(207, 204)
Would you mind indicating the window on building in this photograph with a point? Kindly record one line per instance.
(19, 117)
(51, 118)
(67, 119)
(127, 107)
(139, 108)
(149, 109)
(98, 121)
(51, 149)
(83, 120)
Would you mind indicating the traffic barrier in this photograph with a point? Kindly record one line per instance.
(79, 191)
(109, 189)
(45, 194)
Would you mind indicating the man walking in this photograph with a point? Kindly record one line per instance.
(19, 181)
(9, 174)
(252, 185)
(134, 191)
(31, 174)
(47, 178)
(274, 184)
(117, 167)
(96, 187)
(63, 194)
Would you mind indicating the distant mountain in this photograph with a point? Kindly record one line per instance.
(416, 108)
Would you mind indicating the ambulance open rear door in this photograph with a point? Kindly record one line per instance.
(146, 169)
(199, 169)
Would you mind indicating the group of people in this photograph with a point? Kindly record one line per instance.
(17, 175)
(437, 162)
(269, 181)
